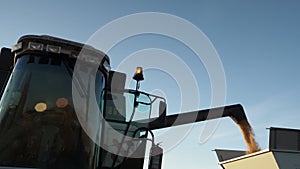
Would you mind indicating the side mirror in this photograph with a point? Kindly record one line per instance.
(115, 99)
(162, 111)
(6, 63)
(116, 81)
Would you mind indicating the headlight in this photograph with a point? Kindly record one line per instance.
(53, 49)
(16, 47)
(35, 46)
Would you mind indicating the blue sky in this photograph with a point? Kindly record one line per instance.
(258, 43)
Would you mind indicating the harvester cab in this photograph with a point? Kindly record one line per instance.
(62, 107)
(39, 126)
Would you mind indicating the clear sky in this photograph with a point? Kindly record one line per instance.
(257, 41)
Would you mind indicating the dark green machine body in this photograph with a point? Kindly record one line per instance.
(39, 127)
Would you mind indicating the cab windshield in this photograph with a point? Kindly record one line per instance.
(38, 125)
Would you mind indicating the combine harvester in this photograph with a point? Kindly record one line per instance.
(42, 127)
